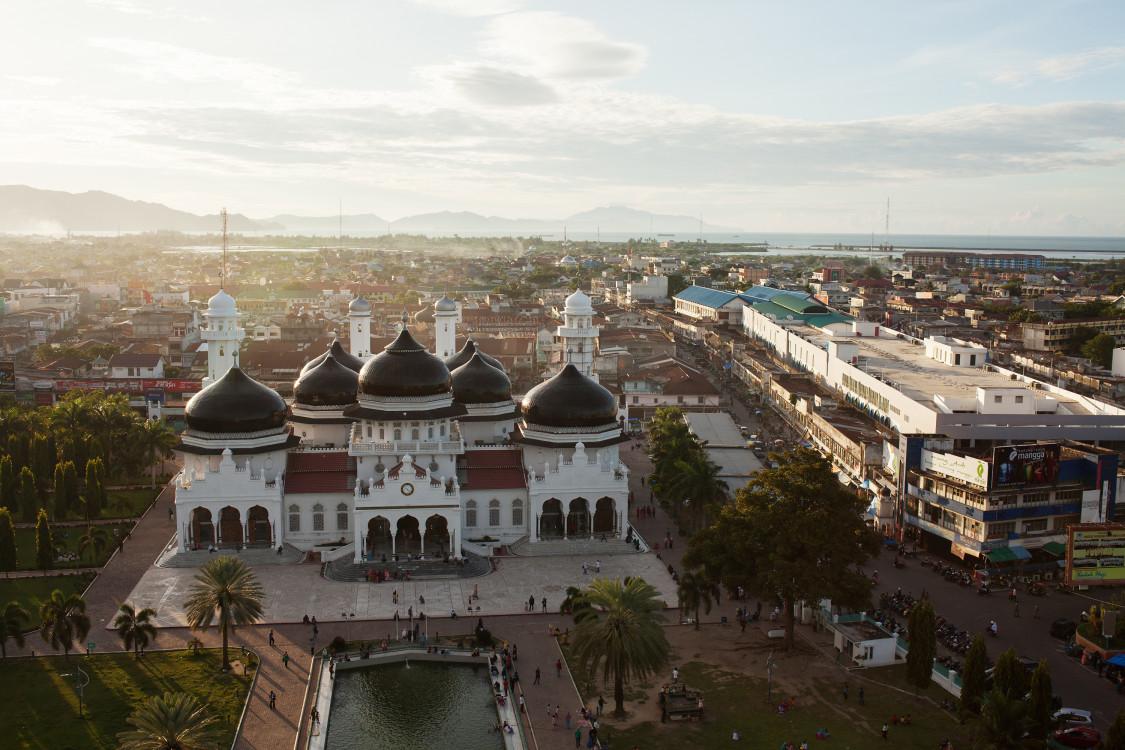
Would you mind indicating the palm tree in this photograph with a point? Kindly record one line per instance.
(13, 623)
(623, 634)
(194, 645)
(135, 628)
(173, 721)
(155, 439)
(696, 590)
(696, 477)
(1004, 724)
(96, 540)
(64, 621)
(225, 586)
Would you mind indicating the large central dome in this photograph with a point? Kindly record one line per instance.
(404, 369)
(570, 399)
(235, 403)
(328, 384)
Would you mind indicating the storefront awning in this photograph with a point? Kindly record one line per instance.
(1019, 552)
(1058, 549)
(1001, 555)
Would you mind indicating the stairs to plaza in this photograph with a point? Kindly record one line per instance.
(252, 556)
(346, 570)
(592, 548)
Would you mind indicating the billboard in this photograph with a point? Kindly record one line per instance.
(967, 469)
(7, 376)
(1095, 554)
(130, 385)
(1020, 465)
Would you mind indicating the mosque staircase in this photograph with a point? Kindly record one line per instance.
(252, 556)
(346, 570)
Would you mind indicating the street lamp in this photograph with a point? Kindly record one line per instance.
(347, 627)
(81, 680)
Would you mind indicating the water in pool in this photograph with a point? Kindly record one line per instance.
(417, 707)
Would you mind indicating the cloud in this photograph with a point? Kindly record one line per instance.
(35, 80)
(1064, 67)
(144, 8)
(471, 8)
(555, 46)
(492, 86)
(167, 62)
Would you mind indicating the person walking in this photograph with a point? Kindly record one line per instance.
(1036, 613)
(585, 568)
(544, 605)
(558, 668)
(285, 659)
(861, 695)
(522, 709)
(597, 566)
(271, 639)
(567, 719)
(884, 732)
(273, 700)
(536, 676)
(578, 737)
(601, 705)
(845, 691)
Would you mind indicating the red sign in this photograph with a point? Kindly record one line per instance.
(130, 385)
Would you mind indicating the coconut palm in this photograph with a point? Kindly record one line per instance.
(1004, 724)
(154, 439)
(13, 623)
(695, 477)
(96, 540)
(173, 721)
(623, 635)
(135, 627)
(696, 590)
(194, 645)
(64, 621)
(225, 587)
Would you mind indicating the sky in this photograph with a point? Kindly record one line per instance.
(975, 116)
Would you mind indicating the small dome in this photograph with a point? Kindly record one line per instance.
(340, 353)
(425, 315)
(467, 351)
(570, 399)
(359, 305)
(330, 383)
(221, 304)
(579, 304)
(404, 369)
(235, 403)
(477, 382)
(445, 305)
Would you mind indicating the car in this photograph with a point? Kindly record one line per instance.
(1073, 717)
(1077, 737)
(1063, 628)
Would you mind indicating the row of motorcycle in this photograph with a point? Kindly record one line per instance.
(949, 572)
(949, 635)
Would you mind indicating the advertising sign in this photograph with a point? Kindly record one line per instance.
(7, 376)
(154, 394)
(967, 469)
(1015, 465)
(1095, 554)
(130, 385)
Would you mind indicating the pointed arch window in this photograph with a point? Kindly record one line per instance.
(318, 517)
(342, 517)
(493, 512)
(294, 518)
(517, 512)
(471, 513)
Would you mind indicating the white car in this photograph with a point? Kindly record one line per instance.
(1073, 717)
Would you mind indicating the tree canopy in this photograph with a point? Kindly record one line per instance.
(792, 534)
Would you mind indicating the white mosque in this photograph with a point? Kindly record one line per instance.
(401, 452)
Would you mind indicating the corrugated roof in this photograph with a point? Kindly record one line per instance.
(701, 295)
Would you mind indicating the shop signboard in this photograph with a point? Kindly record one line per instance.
(1023, 465)
(965, 468)
(1095, 554)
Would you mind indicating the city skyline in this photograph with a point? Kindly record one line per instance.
(971, 117)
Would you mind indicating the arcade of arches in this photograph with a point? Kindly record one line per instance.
(232, 530)
(406, 536)
(577, 519)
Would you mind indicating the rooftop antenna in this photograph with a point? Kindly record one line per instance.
(223, 265)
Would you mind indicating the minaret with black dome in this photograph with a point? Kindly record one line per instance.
(359, 319)
(446, 318)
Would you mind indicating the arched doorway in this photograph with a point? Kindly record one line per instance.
(437, 536)
(230, 526)
(551, 520)
(379, 537)
(202, 527)
(604, 517)
(407, 540)
(260, 531)
(578, 519)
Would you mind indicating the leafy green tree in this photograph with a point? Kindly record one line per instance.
(13, 623)
(696, 590)
(64, 621)
(1115, 738)
(95, 540)
(1009, 676)
(1099, 349)
(574, 605)
(1039, 707)
(29, 494)
(923, 646)
(173, 721)
(228, 588)
(676, 284)
(60, 485)
(95, 492)
(694, 480)
(154, 439)
(1014, 287)
(872, 272)
(1004, 724)
(792, 534)
(9, 555)
(9, 487)
(135, 627)
(974, 675)
(623, 636)
(44, 546)
(68, 501)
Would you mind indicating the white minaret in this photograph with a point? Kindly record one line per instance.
(223, 336)
(445, 327)
(359, 315)
(579, 336)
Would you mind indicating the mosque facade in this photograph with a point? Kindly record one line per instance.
(405, 451)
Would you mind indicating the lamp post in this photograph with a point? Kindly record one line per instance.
(347, 624)
(81, 680)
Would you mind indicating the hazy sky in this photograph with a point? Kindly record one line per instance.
(970, 116)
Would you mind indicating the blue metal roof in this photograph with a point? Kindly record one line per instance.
(701, 295)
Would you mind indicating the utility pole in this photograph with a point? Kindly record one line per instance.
(223, 266)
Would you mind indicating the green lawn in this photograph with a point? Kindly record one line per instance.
(41, 705)
(733, 701)
(66, 540)
(30, 591)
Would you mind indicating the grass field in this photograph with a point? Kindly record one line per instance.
(29, 591)
(41, 704)
(66, 540)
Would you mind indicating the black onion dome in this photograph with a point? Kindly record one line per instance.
(235, 403)
(425, 315)
(353, 363)
(477, 382)
(328, 384)
(403, 369)
(570, 399)
(462, 357)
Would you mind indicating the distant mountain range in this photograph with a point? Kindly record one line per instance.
(27, 210)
